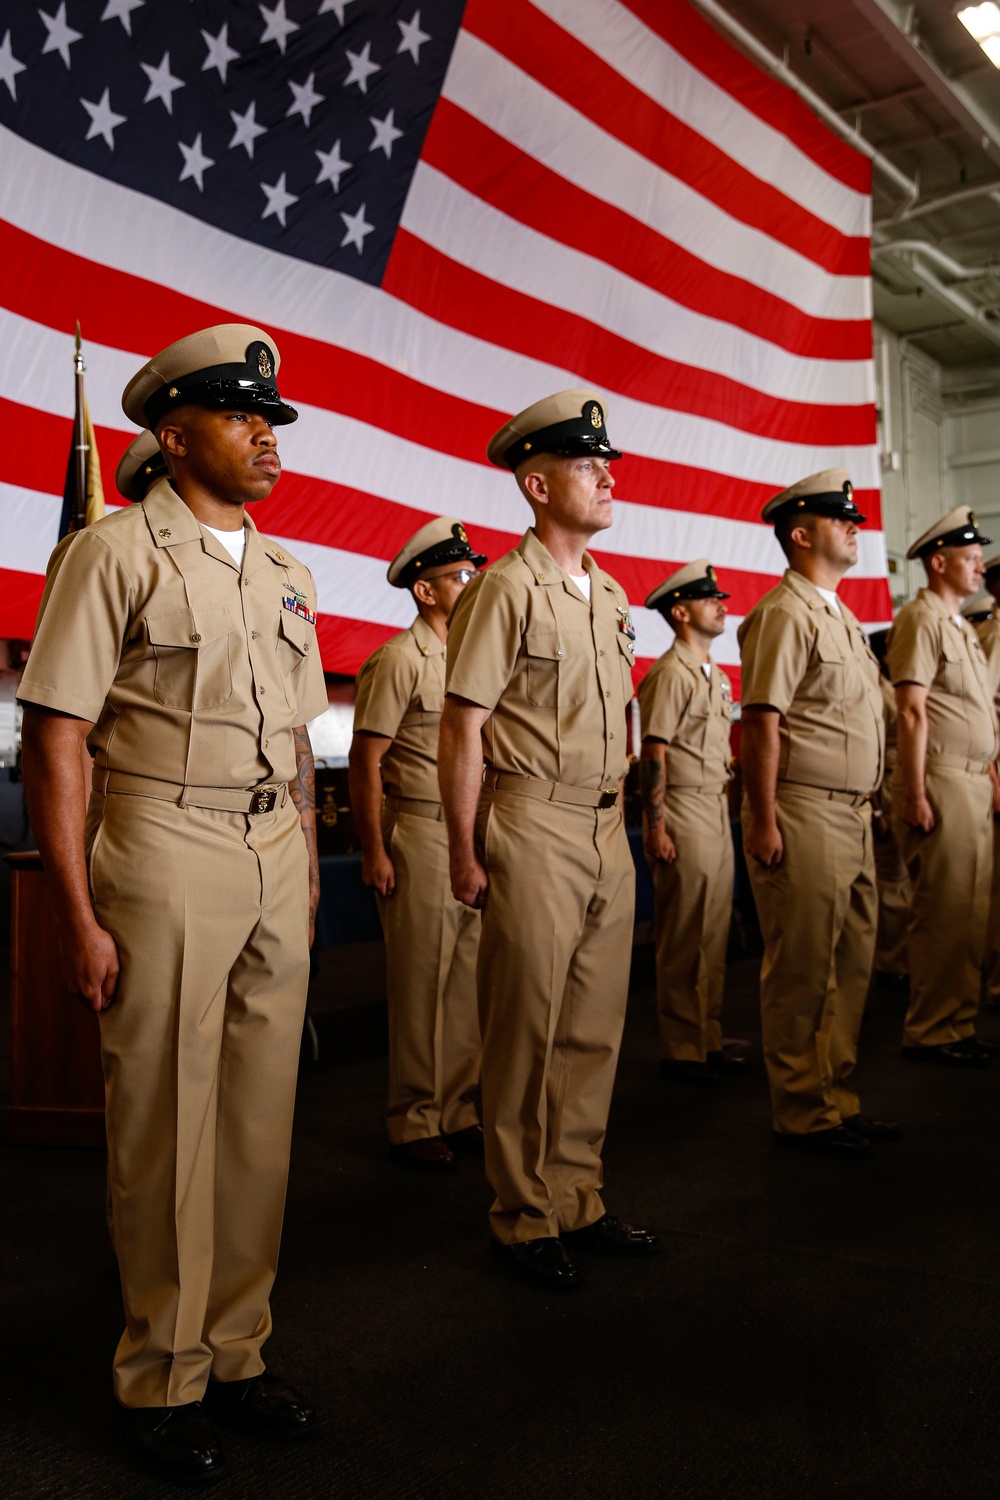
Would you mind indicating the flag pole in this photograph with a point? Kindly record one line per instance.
(80, 441)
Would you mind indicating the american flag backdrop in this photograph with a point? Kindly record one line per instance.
(442, 212)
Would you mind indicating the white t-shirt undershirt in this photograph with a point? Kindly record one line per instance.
(830, 596)
(706, 667)
(234, 542)
(583, 584)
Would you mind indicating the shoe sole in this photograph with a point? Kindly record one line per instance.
(539, 1283)
(254, 1429)
(947, 1062)
(169, 1475)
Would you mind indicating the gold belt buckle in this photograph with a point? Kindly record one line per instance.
(609, 796)
(263, 801)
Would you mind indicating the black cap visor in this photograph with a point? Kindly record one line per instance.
(569, 439)
(221, 395)
(835, 504)
(453, 550)
(962, 536)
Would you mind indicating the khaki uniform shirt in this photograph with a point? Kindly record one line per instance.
(555, 671)
(932, 648)
(813, 664)
(692, 714)
(401, 695)
(192, 670)
(989, 638)
(889, 715)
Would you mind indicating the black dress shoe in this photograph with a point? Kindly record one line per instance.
(701, 1074)
(609, 1236)
(982, 1046)
(836, 1140)
(728, 1061)
(468, 1141)
(429, 1153)
(872, 1130)
(544, 1263)
(263, 1406)
(947, 1055)
(176, 1443)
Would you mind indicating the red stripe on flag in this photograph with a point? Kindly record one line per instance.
(444, 289)
(563, 65)
(345, 644)
(684, 29)
(20, 596)
(478, 159)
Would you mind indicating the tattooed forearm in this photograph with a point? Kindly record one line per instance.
(303, 793)
(652, 781)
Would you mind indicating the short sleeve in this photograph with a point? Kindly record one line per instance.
(385, 690)
(775, 655)
(484, 639)
(310, 685)
(82, 625)
(914, 648)
(663, 697)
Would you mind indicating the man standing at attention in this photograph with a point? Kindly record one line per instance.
(942, 794)
(812, 751)
(539, 675)
(431, 939)
(686, 705)
(181, 646)
(988, 630)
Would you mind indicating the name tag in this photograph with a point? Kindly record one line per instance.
(298, 606)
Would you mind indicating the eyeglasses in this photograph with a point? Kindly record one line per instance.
(463, 575)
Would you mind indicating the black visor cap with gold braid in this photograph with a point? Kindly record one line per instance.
(455, 548)
(836, 503)
(249, 386)
(578, 437)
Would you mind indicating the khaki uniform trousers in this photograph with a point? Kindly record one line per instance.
(818, 913)
(991, 962)
(431, 942)
(950, 870)
(891, 955)
(692, 913)
(553, 984)
(210, 913)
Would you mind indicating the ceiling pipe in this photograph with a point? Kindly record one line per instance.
(781, 70)
(941, 200)
(950, 266)
(960, 305)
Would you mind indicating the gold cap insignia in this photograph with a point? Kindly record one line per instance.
(462, 537)
(173, 391)
(972, 519)
(848, 488)
(711, 573)
(595, 416)
(264, 364)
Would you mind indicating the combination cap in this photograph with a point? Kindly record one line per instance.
(977, 608)
(959, 528)
(696, 580)
(441, 541)
(140, 466)
(828, 493)
(992, 566)
(231, 367)
(570, 423)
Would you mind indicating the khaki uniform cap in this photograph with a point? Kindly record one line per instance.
(230, 366)
(441, 541)
(696, 580)
(139, 467)
(569, 423)
(828, 493)
(959, 528)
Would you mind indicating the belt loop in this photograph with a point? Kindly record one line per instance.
(183, 799)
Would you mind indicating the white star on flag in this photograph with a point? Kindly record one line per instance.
(162, 83)
(60, 36)
(278, 199)
(332, 166)
(306, 98)
(247, 130)
(385, 133)
(357, 227)
(413, 38)
(278, 28)
(121, 10)
(337, 6)
(362, 67)
(9, 66)
(220, 54)
(103, 120)
(195, 162)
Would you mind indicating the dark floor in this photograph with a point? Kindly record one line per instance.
(812, 1329)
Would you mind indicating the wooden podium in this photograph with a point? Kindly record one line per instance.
(56, 1082)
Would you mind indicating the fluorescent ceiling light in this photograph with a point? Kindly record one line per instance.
(983, 23)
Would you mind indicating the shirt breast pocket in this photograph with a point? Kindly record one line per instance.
(295, 641)
(192, 648)
(557, 670)
(830, 662)
(949, 674)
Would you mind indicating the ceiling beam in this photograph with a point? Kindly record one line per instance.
(897, 26)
